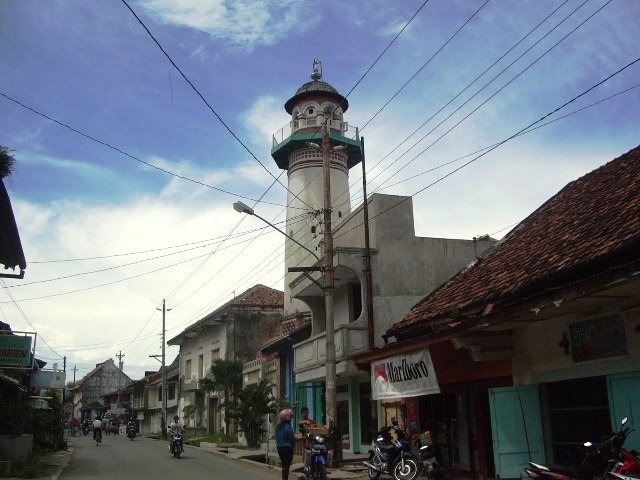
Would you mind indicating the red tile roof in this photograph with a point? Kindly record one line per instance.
(592, 224)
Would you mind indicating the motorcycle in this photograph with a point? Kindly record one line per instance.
(627, 466)
(392, 456)
(430, 466)
(97, 436)
(131, 431)
(598, 462)
(176, 444)
(317, 467)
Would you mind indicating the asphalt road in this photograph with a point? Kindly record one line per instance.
(119, 458)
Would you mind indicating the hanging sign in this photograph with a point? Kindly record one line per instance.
(406, 375)
(15, 351)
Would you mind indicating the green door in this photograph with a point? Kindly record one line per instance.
(516, 428)
(624, 401)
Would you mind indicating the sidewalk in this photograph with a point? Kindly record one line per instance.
(352, 469)
(54, 463)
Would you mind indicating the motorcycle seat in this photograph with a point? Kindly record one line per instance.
(582, 471)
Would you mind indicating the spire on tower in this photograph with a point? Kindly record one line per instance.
(317, 70)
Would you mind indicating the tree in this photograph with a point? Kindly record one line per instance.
(189, 411)
(6, 162)
(253, 402)
(226, 378)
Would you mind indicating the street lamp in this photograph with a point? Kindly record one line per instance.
(244, 208)
(327, 269)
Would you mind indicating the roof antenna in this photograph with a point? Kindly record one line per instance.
(317, 70)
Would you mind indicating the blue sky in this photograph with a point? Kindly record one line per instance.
(92, 66)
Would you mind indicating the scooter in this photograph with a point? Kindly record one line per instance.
(392, 457)
(430, 466)
(176, 444)
(316, 468)
(131, 431)
(598, 462)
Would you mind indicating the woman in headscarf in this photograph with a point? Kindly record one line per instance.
(285, 441)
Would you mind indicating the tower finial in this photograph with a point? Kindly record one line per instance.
(317, 70)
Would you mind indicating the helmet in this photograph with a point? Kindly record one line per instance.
(285, 415)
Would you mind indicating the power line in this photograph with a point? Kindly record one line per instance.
(496, 92)
(493, 147)
(193, 87)
(126, 154)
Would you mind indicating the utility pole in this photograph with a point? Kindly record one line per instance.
(163, 419)
(367, 250)
(120, 355)
(330, 394)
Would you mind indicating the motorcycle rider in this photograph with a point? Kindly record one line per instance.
(97, 428)
(174, 427)
(305, 423)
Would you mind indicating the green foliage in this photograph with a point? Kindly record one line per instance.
(47, 426)
(188, 411)
(226, 378)
(6, 162)
(250, 408)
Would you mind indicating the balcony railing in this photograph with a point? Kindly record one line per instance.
(290, 128)
(349, 341)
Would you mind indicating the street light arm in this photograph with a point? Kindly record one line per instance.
(286, 235)
(243, 208)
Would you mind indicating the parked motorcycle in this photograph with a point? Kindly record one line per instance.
(598, 462)
(316, 466)
(392, 456)
(430, 466)
(176, 445)
(628, 464)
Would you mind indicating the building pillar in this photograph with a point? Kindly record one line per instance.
(354, 415)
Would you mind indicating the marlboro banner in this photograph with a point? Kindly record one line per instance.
(405, 375)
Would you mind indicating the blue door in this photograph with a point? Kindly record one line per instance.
(624, 401)
(516, 428)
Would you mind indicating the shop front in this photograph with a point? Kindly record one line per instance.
(442, 390)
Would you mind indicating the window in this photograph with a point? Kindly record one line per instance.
(159, 394)
(310, 111)
(200, 367)
(355, 301)
(187, 370)
(215, 355)
(171, 391)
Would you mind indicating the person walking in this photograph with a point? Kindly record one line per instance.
(285, 441)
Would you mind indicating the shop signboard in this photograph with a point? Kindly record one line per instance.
(15, 351)
(406, 375)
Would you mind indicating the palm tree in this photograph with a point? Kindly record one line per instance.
(226, 378)
(250, 407)
(6, 162)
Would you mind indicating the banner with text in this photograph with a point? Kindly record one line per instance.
(406, 375)
(15, 351)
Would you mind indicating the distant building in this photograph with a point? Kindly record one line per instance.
(88, 393)
(236, 330)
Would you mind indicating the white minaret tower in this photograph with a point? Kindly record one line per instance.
(297, 149)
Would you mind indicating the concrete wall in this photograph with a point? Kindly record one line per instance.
(16, 448)
(538, 358)
(107, 379)
(405, 268)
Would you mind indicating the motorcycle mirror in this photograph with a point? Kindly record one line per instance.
(624, 421)
(588, 444)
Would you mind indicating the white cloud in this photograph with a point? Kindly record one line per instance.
(244, 23)
(113, 314)
(200, 52)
